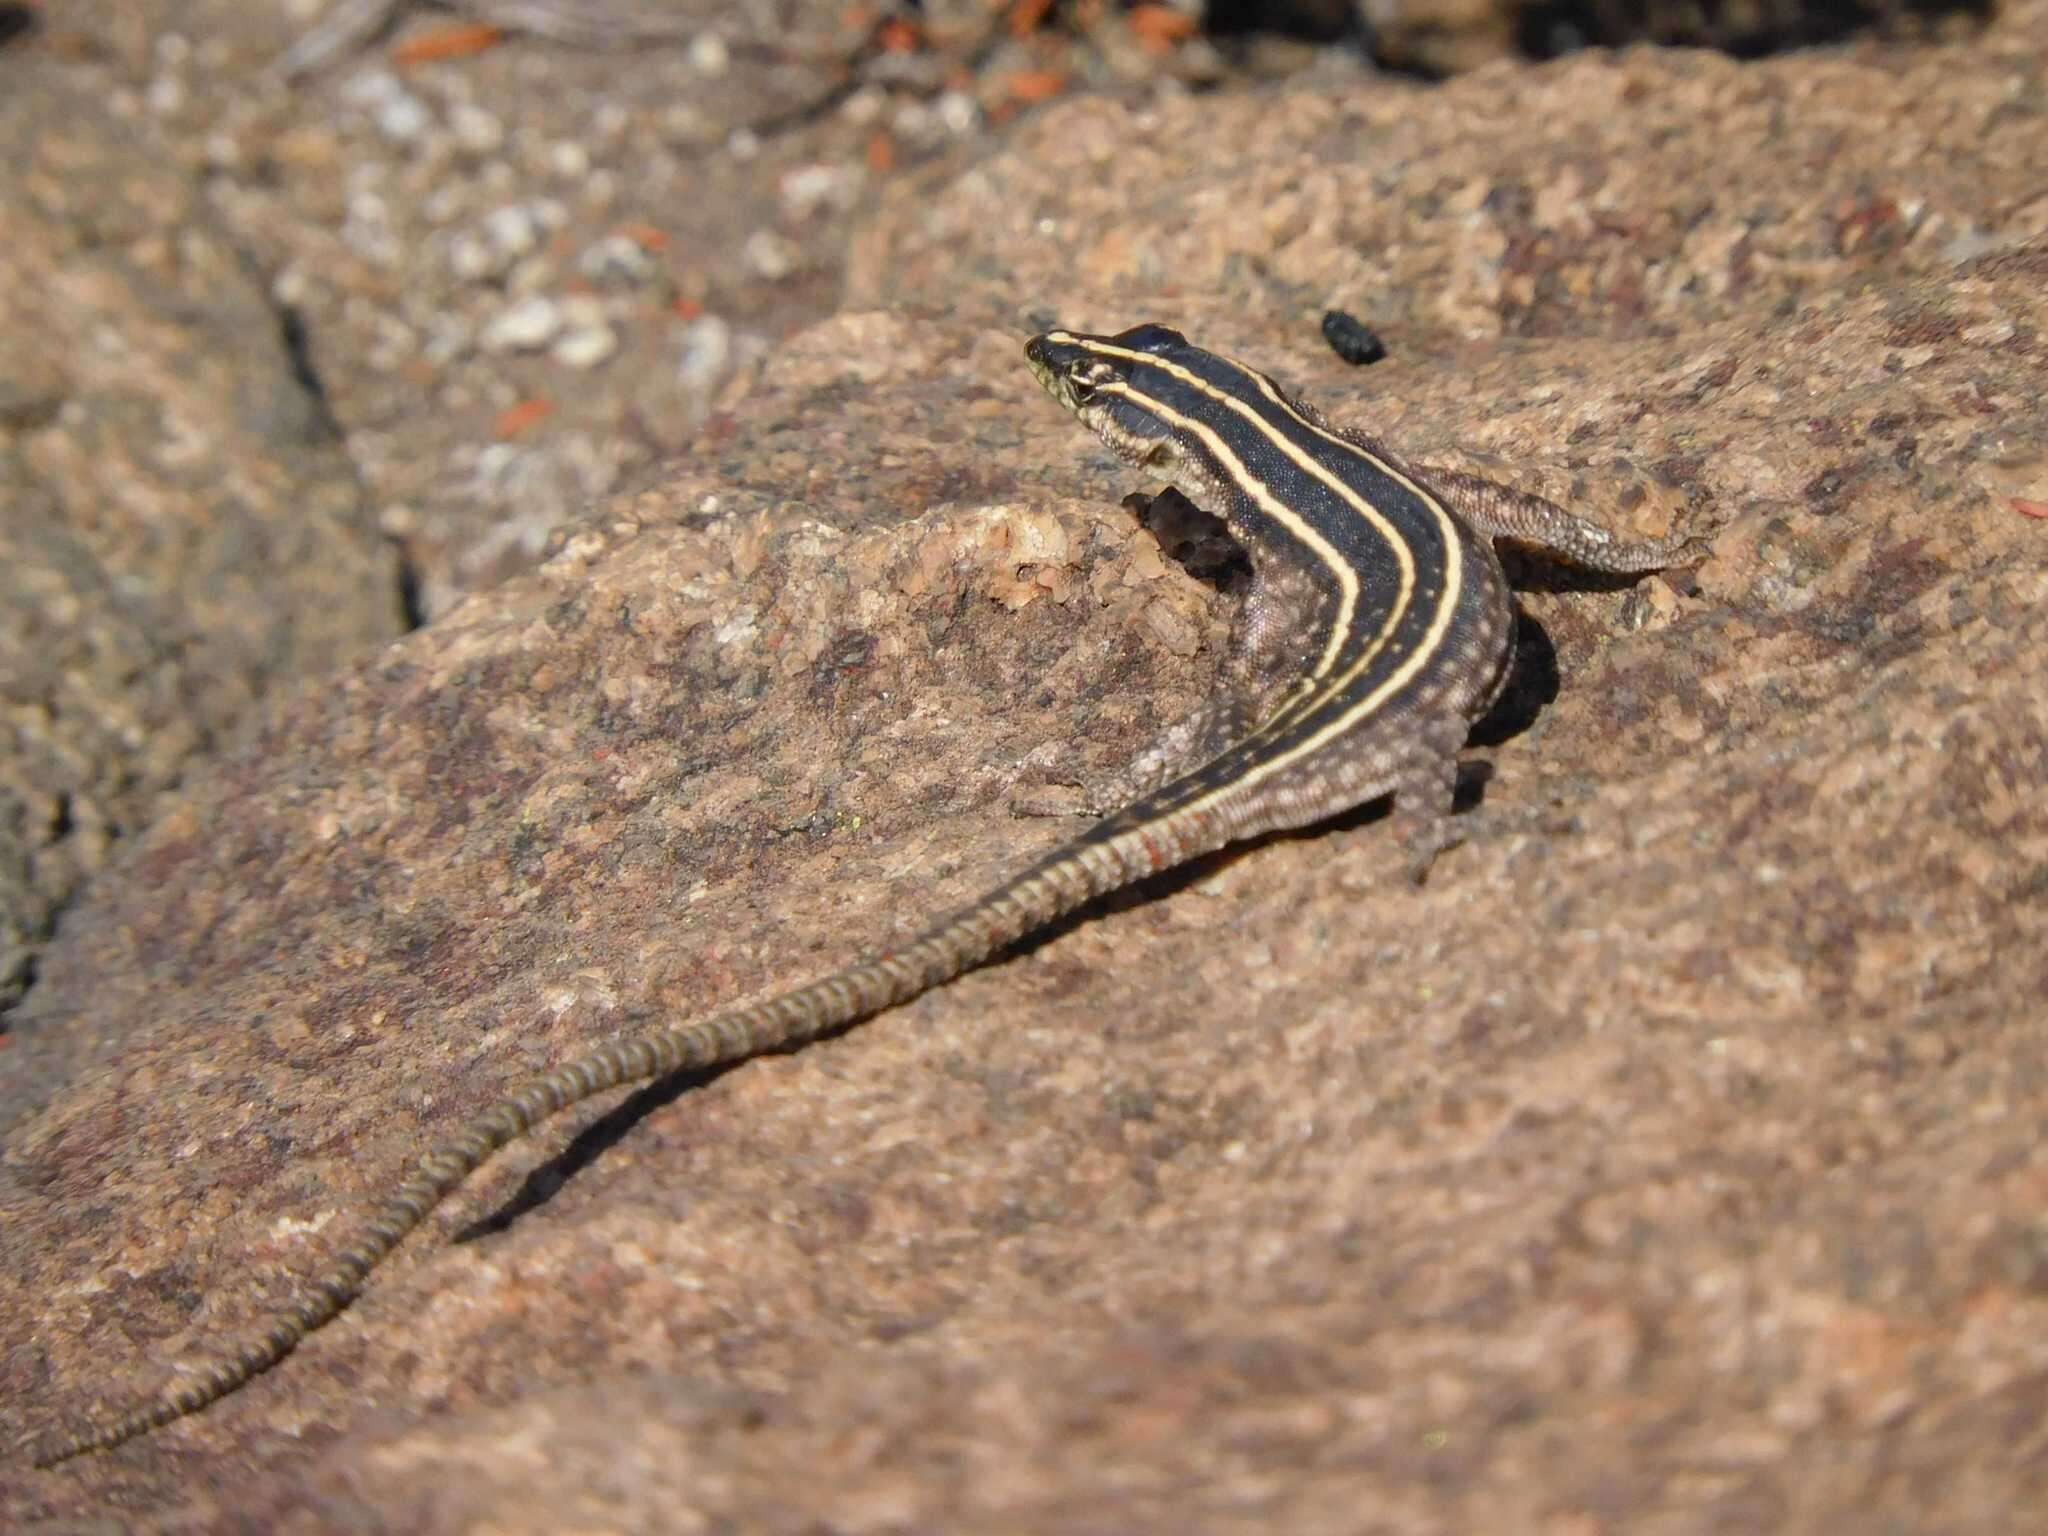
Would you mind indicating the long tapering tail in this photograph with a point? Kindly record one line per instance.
(1061, 884)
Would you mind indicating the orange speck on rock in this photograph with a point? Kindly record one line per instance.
(516, 420)
(1025, 15)
(646, 236)
(1159, 27)
(1029, 85)
(458, 40)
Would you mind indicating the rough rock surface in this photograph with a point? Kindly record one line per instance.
(531, 268)
(179, 529)
(1671, 1161)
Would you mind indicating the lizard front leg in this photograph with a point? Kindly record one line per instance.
(1503, 512)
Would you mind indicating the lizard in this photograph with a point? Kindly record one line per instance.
(1377, 627)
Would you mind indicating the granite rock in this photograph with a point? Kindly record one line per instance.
(180, 532)
(1670, 1161)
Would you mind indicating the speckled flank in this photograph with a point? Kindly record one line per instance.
(1378, 627)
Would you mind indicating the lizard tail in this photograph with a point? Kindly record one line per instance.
(1061, 884)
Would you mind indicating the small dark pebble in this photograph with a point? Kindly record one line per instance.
(1351, 338)
(16, 21)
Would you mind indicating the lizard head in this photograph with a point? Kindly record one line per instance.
(1119, 387)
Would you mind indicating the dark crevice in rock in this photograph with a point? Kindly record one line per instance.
(412, 601)
(17, 22)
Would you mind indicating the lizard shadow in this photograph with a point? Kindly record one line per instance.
(1532, 684)
(543, 1181)
(1531, 687)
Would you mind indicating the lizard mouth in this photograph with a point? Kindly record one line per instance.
(1054, 373)
(1051, 378)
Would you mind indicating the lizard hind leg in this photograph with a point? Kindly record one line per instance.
(1191, 740)
(1262, 664)
(1425, 788)
(1414, 760)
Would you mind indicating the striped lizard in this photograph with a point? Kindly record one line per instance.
(1376, 629)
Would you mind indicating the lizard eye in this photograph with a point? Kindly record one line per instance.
(1085, 379)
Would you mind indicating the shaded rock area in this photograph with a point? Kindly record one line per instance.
(1447, 36)
(179, 528)
(1670, 1161)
